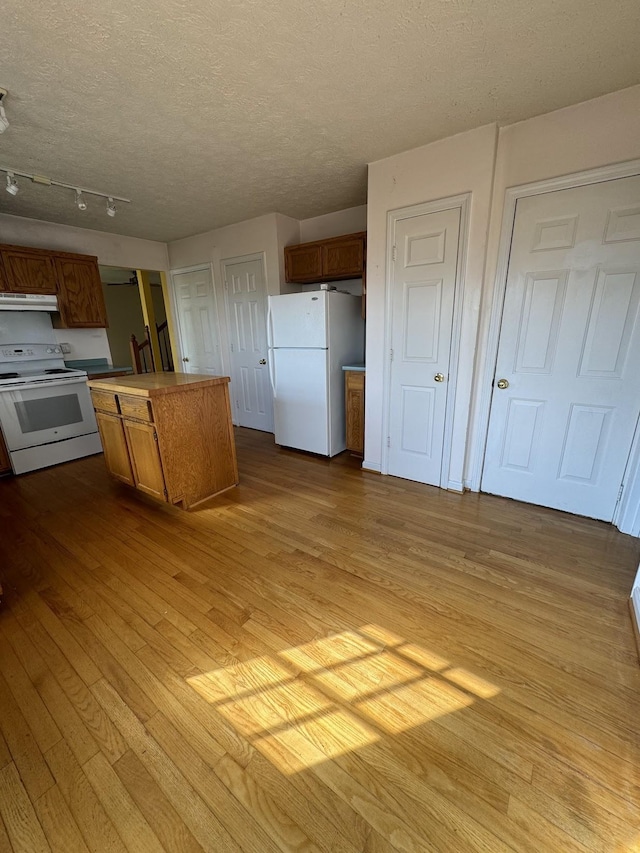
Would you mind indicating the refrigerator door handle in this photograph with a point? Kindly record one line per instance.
(269, 326)
(272, 370)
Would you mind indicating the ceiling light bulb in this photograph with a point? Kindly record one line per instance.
(12, 186)
(82, 204)
(4, 121)
(111, 208)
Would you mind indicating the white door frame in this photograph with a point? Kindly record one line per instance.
(393, 216)
(176, 315)
(623, 513)
(241, 259)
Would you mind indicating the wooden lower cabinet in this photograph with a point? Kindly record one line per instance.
(5, 461)
(114, 444)
(142, 441)
(168, 434)
(354, 404)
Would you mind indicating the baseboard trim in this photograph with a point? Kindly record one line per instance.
(371, 466)
(456, 486)
(635, 623)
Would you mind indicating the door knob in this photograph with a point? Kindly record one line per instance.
(439, 377)
(185, 358)
(262, 361)
(502, 384)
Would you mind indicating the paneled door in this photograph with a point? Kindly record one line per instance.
(423, 285)
(251, 396)
(197, 322)
(566, 395)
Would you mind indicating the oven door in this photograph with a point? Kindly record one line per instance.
(41, 414)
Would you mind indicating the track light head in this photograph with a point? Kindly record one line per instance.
(82, 204)
(111, 208)
(12, 187)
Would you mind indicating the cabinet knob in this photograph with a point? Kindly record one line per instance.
(502, 384)
(262, 361)
(439, 377)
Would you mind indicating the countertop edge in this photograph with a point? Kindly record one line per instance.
(119, 385)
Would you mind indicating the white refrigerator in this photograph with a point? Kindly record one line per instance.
(311, 336)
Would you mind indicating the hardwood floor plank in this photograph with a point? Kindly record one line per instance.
(23, 827)
(319, 660)
(33, 770)
(154, 805)
(96, 721)
(97, 830)
(120, 807)
(202, 823)
(58, 822)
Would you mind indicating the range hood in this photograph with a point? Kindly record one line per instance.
(28, 302)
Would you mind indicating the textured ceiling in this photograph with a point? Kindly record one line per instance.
(206, 112)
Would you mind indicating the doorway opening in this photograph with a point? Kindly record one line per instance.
(139, 330)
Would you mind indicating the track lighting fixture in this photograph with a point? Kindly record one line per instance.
(4, 121)
(80, 192)
(12, 186)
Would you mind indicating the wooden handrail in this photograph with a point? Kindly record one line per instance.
(140, 353)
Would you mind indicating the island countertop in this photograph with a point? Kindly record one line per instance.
(156, 384)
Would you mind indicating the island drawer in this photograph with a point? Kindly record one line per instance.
(103, 401)
(135, 407)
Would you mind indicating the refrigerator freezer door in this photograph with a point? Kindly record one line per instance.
(298, 320)
(300, 399)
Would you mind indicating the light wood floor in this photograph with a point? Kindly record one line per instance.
(320, 660)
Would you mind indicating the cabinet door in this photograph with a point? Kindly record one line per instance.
(354, 403)
(114, 444)
(4, 284)
(343, 258)
(5, 462)
(80, 297)
(303, 263)
(145, 458)
(29, 271)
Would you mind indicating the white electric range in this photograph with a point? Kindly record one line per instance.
(46, 413)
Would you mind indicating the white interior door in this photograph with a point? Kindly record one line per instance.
(197, 322)
(423, 290)
(560, 433)
(245, 289)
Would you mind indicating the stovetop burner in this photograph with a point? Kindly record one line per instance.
(9, 375)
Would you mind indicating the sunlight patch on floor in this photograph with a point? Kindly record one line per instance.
(321, 699)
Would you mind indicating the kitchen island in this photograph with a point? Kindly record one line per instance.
(168, 434)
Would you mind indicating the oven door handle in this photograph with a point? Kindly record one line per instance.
(53, 383)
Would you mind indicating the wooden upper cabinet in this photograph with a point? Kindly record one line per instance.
(29, 270)
(80, 297)
(326, 260)
(303, 263)
(4, 286)
(343, 258)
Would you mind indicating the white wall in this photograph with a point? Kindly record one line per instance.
(483, 162)
(460, 164)
(125, 319)
(268, 234)
(585, 136)
(111, 249)
(288, 234)
(334, 224)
